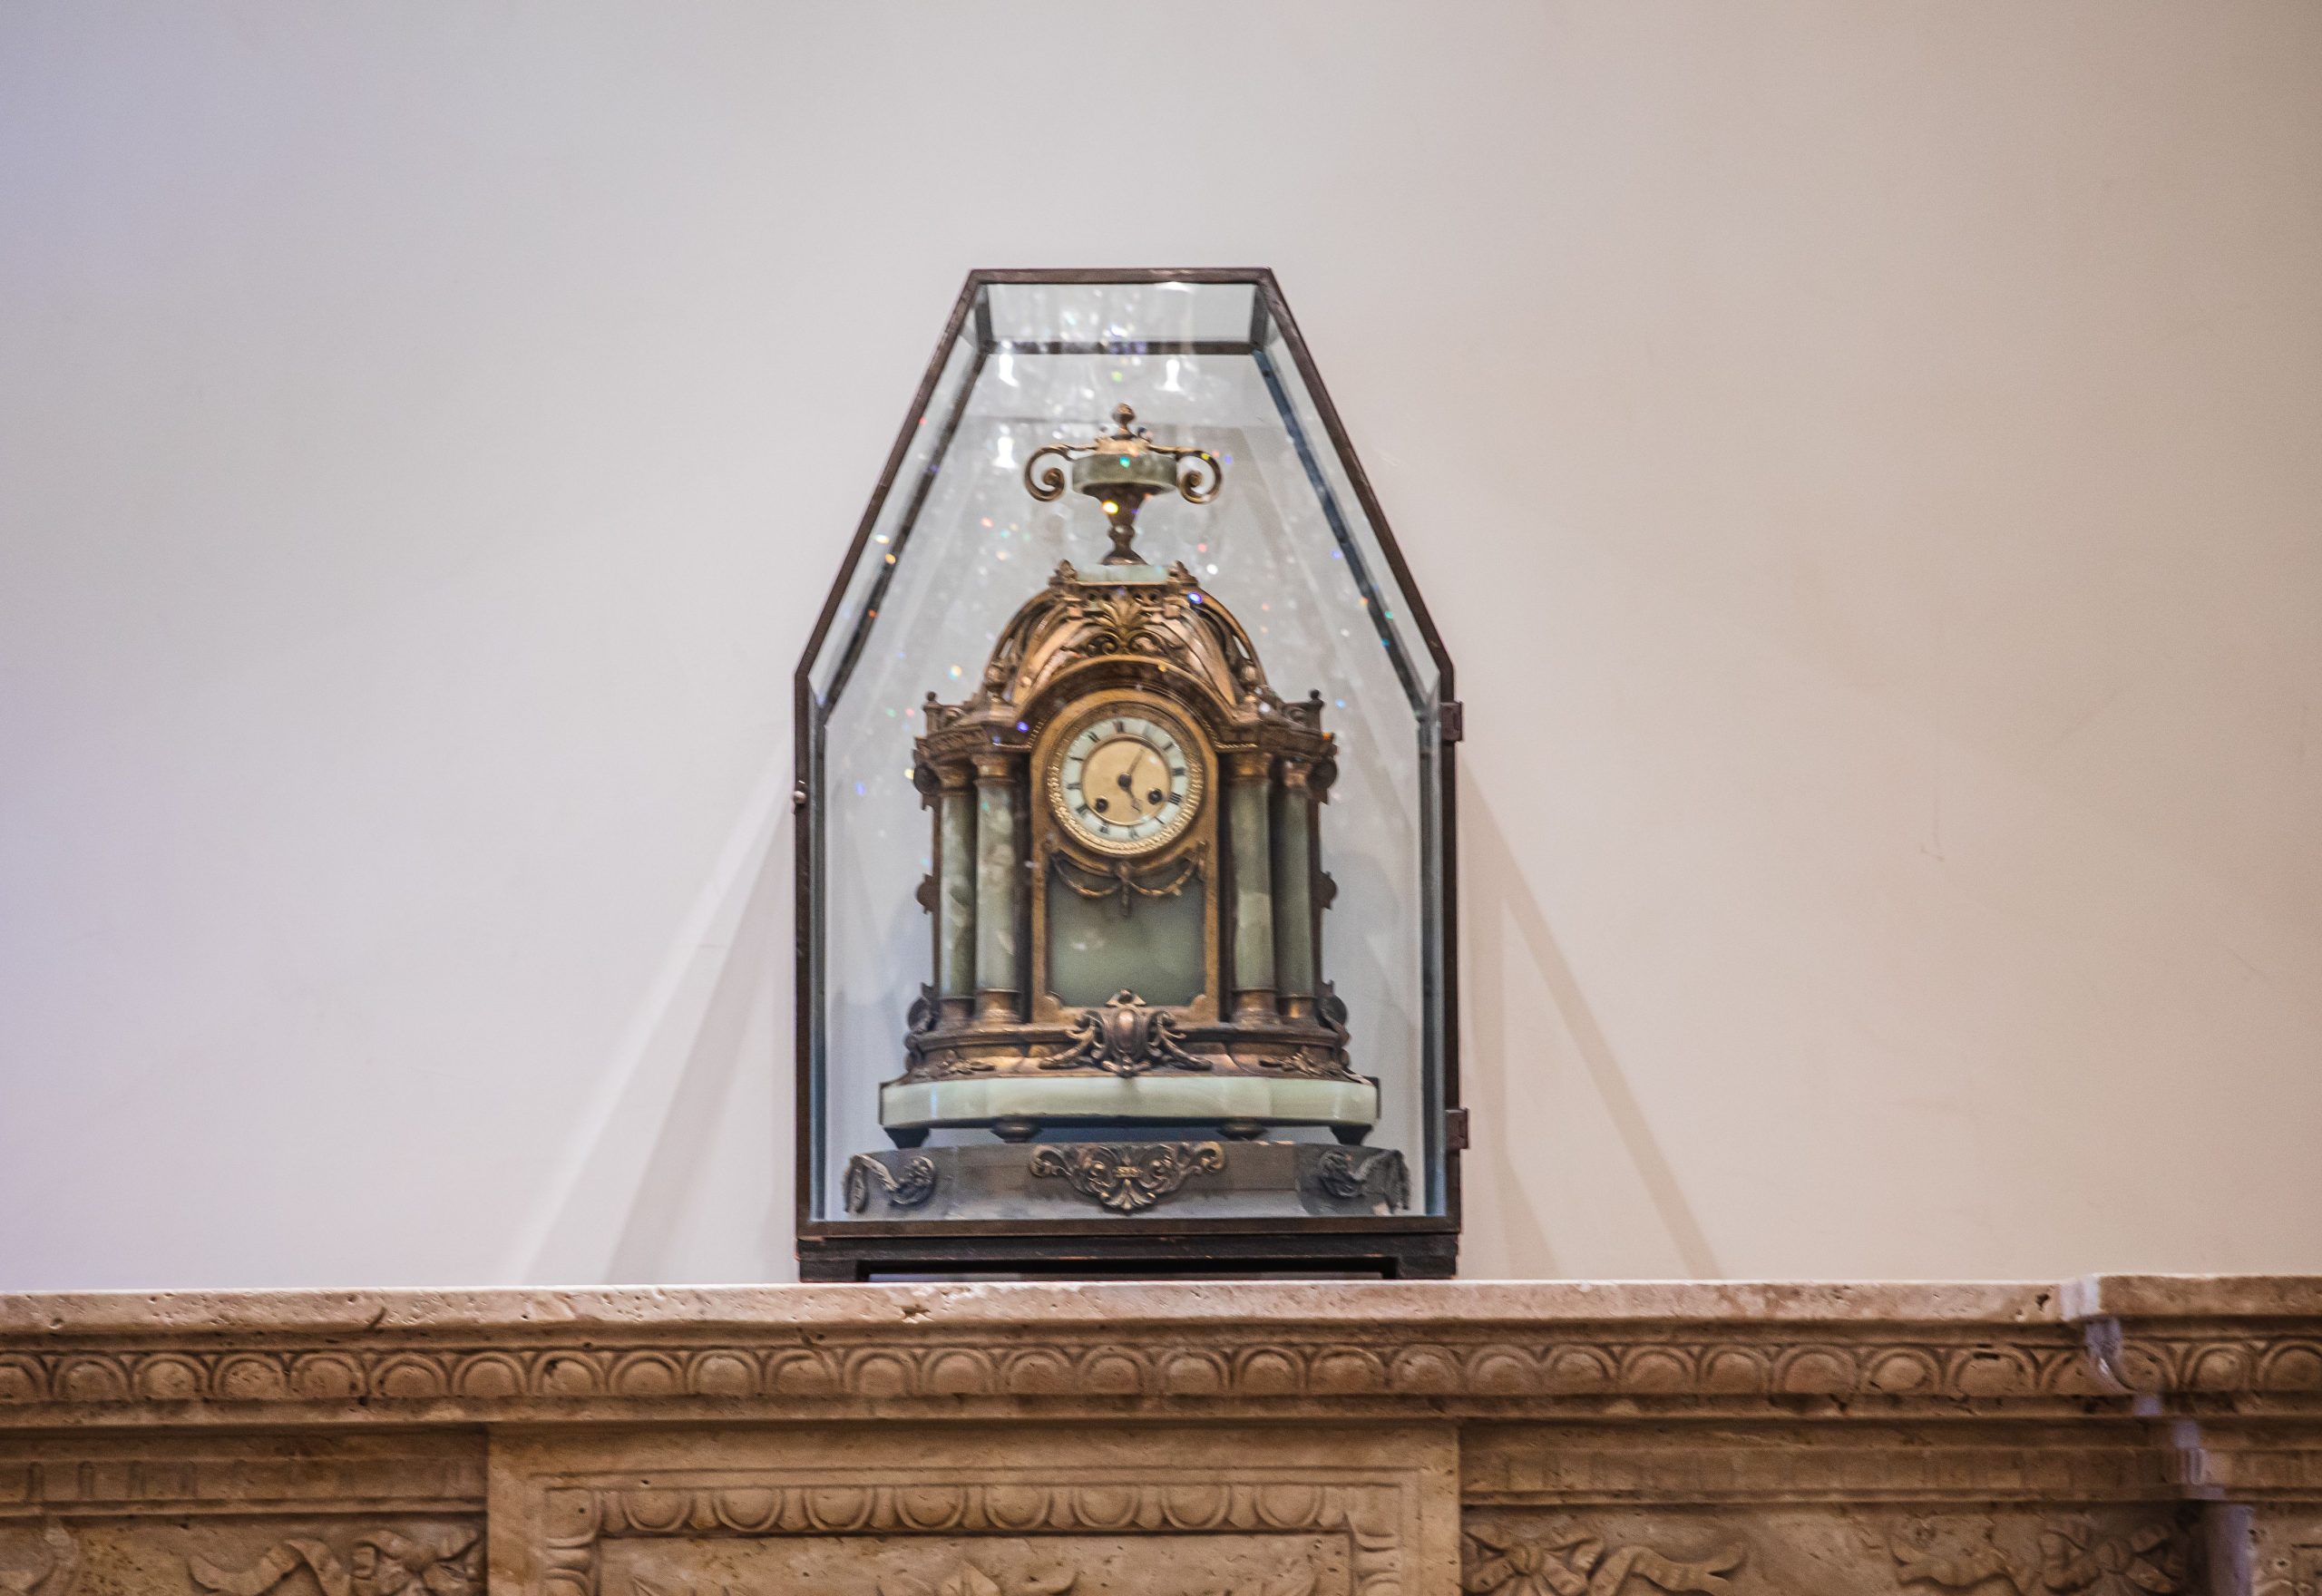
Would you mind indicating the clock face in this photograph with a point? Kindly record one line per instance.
(1125, 781)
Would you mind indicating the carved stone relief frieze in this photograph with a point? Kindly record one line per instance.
(1562, 1557)
(968, 1513)
(220, 1555)
(43, 1563)
(216, 1514)
(1333, 1539)
(2068, 1554)
(1771, 1550)
(436, 1560)
(969, 1579)
(1074, 1566)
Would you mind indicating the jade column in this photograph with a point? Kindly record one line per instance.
(1294, 890)
(955, 892)
(1248, 825)
(1000, 884)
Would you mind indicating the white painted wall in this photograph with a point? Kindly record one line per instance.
(1867, 460)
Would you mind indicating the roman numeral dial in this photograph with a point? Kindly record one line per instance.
(1125, 781)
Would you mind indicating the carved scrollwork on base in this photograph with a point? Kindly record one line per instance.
(1375, 1174)
(910, 1188)
(1128, 1177)
(947, 1067)
(1306, 1067)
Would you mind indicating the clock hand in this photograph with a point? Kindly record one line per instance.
(1154, 795)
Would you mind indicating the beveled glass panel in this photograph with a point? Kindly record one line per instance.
(1040, 315)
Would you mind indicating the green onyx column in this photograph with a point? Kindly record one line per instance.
(1248, 826)
(999, 882)
(955, 898)
(1294, 890)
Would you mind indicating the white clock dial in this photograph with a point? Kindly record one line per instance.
(1126, 781)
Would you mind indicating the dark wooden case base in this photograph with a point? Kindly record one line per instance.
(1145, 1255)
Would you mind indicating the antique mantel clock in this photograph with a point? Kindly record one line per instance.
(1125, 827)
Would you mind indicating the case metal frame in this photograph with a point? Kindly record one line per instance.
(1401, 1246)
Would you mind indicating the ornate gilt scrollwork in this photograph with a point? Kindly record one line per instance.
(1126, 1036)
(1127, 1176)
(949, 1065)
(910, 1188)
(1128, 622)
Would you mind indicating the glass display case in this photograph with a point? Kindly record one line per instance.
(1125, 895)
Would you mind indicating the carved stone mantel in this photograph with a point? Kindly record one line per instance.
(2105, 1436)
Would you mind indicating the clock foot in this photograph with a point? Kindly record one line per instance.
(1240, 1130)
(1015, 1130)
(1351, 1135)
(906, 1135)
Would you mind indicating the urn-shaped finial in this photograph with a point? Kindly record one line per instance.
(1120, 470)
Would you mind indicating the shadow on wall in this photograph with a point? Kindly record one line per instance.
(653, 1151)
(644, 1194)
(1502, 1230)
(721, 1052)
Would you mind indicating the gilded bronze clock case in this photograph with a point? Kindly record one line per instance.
(1078, 697)
(952, 1046)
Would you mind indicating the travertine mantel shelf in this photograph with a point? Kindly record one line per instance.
(2108, 1437)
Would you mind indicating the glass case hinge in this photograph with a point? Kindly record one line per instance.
(1452, 717)
(1455, 1130)
(798, 796)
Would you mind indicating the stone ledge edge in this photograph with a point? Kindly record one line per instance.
(34, 1316)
